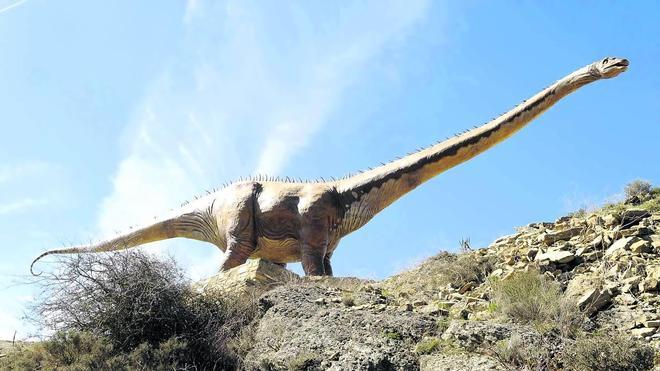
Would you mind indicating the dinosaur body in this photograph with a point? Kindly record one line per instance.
(290, 221)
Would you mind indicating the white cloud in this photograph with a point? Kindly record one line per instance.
(252, 86)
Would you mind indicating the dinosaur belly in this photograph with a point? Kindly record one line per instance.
(285, 250)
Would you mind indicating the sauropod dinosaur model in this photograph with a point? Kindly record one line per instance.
(285, 221)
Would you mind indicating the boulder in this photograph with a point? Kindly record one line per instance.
(636, 231)
(531, 253)
(652, 323)
(611, 219)
(653, 272)
(642, 332)
(654, 240)
(595, 220)
(592, 256)
(648, 285)
(563, 235)
(620, 244)
(631, 217)
(594, 300)
(255, 272)
(557, 257)
(641, 246)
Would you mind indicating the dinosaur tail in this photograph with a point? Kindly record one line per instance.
(195, 225)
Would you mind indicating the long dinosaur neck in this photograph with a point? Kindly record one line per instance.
(366, 194)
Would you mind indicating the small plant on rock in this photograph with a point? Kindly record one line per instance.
(427, 345)
(348, 299)
(393, 334)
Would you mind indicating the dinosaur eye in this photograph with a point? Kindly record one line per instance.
(606, 60)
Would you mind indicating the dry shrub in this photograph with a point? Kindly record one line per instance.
(608, 352)
(74, 350)
(529, 297)
(638, 188)
(144, 310)
(439, 271)
(518, 354)
(466, 268)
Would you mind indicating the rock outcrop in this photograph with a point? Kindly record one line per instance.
(441, 314)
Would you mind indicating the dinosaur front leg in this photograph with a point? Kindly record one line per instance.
(314, 244)
(312, 262)
(326, 265)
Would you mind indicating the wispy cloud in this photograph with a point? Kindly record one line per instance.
(252, 86)
(9, 5)
(20, 178)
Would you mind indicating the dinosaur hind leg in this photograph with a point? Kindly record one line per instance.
(237, 253)
(240, 237)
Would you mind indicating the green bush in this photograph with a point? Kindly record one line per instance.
(528, 297)
(610, 352)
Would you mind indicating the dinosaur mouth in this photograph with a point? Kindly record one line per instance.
(622, 63)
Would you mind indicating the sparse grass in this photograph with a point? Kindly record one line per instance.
(443, 325)
(653, 203)
(528, 297)
(579, 213)
(392, 334)
(608, 352)
(439, 271)
(348, 299)
(427, 345)
(75, 350)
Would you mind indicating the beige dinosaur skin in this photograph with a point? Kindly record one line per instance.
(289, 221)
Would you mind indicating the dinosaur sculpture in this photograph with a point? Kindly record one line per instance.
(287, 221)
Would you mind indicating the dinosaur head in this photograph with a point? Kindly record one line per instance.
(608, 67)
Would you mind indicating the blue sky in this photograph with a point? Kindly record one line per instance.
(114, 112)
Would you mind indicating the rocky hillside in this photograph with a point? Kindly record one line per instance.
(578, 293)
